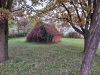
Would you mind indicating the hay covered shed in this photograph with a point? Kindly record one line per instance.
(43, 32)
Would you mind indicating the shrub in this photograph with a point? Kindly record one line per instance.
(17, 35)
(74, 35)
(30, 36)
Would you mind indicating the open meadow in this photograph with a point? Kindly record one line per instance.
(63, 58)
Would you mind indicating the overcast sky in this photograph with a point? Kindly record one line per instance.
(38, 6)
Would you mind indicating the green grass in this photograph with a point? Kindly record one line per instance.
(63, 58)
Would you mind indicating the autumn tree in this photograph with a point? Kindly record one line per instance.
(4, 5)
(88, 21)
(93, 39)
(7, 6)
(84, 17)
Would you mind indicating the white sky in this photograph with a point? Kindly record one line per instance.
(38, 6)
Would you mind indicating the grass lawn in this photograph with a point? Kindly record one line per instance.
(63, 58)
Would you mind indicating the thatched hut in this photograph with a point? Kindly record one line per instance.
(44, 32)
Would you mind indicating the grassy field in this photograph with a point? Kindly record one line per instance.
(63, 58)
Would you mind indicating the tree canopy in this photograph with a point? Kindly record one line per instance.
(75, 12)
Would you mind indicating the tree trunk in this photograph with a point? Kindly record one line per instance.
(89, 54)
(6, 39)
(86, 36)
(92, 42)
(3, 41)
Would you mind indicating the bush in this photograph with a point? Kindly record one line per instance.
(17, 35)
(30, 36)
(74, 35)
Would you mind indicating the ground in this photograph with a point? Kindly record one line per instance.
(63, 58)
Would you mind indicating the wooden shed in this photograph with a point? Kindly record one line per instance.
(44, 32)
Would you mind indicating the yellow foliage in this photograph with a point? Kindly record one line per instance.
(20, 13)
(88, 9)
(77, 21)
(61, 1)
(4, 14)
(65, 15)
(65, 24)
(38, 24)
(34, 20)
(52, 23)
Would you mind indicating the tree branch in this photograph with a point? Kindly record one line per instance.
(9, 4)
(76, 11)
(88, 18)
(77, 29)
(69, 19)
(69, 13)
(74, 27)
(80, 3)
(78, 16)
